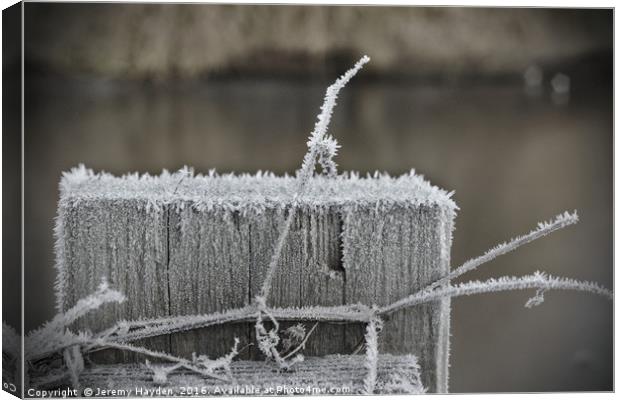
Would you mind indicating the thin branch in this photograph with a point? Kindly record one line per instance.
(98, 345)
(277, 253)
(536, 281)
(544, 228)
(75, 364)
(202, 320)
(269, 340)
(130, 331)
(222, 362)
(351, 313)
(54, 335)
(102, 296)
(318, 145)
(319, 134)
(372, 354)
(163, 326)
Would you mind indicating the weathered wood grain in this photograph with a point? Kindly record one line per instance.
(317, 375)
(388, 255)
(323, 277)
(180, 246)
(309, 272)
(125, 244)
(209, 255)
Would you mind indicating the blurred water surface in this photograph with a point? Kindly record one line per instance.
(512, 158)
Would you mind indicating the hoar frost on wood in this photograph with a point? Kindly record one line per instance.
(161, 238)
(218, 249)
(396, 374)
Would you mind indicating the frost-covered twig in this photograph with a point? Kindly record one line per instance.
(372, 354)
(325, 148)
(204, 365)
(98, 345)
(543, 229)
(351, 313)
(268, 340)
(219, 363)
(319, 139)
(273, 264)
(163, 326)
(54, 335)
(103, 295)
(301, 345)
(538, 281)
(357, 313)
(75, 364)
(127, 331)
(130, 331)
(319, 145)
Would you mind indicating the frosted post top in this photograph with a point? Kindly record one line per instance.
(261, 190)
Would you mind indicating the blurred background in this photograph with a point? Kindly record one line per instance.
(511, 108)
